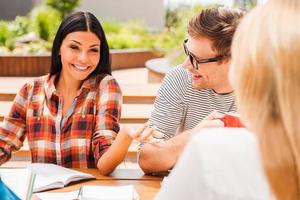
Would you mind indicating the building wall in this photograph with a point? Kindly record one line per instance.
(151, 11)
(9, 9)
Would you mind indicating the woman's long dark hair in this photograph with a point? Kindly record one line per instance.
(80, 21)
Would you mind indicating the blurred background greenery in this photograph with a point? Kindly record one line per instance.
(35, 32)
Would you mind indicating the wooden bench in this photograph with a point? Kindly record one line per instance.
(131, 113)
(132, 93)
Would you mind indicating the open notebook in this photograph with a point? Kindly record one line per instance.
(19, 181)
(50, 176)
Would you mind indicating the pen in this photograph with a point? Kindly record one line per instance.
(79, 193)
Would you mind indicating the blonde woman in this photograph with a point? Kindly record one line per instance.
(264, 163)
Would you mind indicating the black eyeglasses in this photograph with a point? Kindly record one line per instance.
(195, 61)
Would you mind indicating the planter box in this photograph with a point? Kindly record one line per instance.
(37, 65)
(24, 65)
(131, 58)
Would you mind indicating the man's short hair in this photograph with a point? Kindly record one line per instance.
(217, 24)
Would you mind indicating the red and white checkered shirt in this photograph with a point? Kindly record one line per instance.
(75, 140)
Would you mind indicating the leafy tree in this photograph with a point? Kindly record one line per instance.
(45, 22)
(65, 7)
(171, 18)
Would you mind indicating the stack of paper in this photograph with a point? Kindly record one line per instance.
(20, 181)
(94, 192)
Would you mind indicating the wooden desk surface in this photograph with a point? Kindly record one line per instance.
(146, 186)
(147, 189)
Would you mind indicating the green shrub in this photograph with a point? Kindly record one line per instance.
(20, 26)
(45, 22)
(132, 34)
(38, 47)
(10, 44)
(4, 32)
(111, 27)
(65, 7)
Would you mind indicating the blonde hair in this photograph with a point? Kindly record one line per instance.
(266, 77)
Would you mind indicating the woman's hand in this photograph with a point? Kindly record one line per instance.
(116, 153)
(143, 134)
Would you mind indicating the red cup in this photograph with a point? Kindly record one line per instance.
(232, 120)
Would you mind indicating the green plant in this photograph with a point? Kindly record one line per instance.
(10, 44)
(38, 47)
(132, 34)
(65, 7)
(111, 27)
(20, 26)
(175, 32)
(4, 32)
(45, 22)
(171, 18)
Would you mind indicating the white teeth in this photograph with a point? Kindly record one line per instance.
(80, 67)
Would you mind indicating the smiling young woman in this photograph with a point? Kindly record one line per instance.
(71, 116)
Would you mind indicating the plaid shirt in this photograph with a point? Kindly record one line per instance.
(75, 140)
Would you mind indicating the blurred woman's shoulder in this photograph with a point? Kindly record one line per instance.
(230, 162)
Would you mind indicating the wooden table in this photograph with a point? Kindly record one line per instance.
(147, 189)
(146, 186)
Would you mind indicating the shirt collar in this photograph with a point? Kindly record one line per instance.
(50, 86)
(89, 83)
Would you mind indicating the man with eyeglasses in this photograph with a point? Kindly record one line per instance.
(192, 91)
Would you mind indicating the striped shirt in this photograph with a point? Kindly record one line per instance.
(178, 106)
(77, 139)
